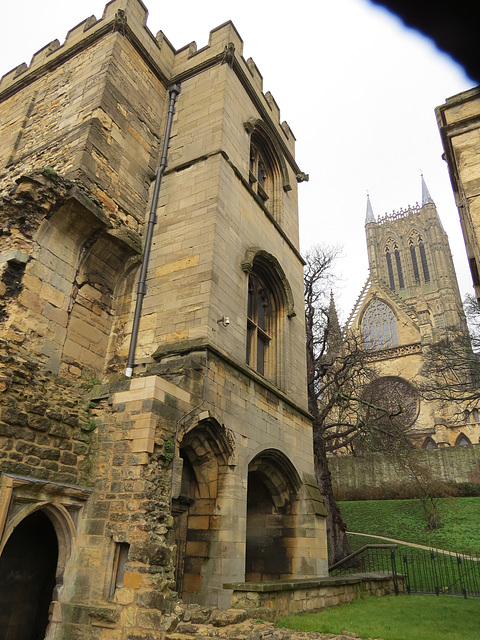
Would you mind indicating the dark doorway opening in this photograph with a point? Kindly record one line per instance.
(266, 555)
(28, 568)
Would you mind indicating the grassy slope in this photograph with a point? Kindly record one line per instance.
(403, 520)
(396, 618)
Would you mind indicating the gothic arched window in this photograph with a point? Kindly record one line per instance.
(429, 443)
(388, 258)
(423, 258)
(462, 441)
(379, 326)
(401, 282)
(413, 255)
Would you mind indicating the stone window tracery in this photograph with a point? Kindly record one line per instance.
(379, 326)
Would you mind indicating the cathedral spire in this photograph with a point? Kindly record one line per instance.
(369, 217)
(426, 197)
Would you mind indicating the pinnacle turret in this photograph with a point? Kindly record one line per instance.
(334, 332)
(370, 216)
(426, 197)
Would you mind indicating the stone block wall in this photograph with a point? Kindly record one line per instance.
(284, 598)
(351, 475)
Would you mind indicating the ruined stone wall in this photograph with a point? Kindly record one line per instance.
(351, 475)
(45, 422)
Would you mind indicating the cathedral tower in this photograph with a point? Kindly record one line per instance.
(410, 300)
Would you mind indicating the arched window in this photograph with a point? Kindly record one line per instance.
(467, 415)
(423, 258)
(429, 443)
(379, 326)
(475, 415)
(268, 173)
(261, 172)
(401, 283)
(260, 321)
(388, 258)
(269, 304)
(462, 441)
(413, 255)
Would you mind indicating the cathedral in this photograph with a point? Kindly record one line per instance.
(155, 437)
(410, 301)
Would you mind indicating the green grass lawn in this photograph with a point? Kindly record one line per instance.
(396, 618)
(403, 520)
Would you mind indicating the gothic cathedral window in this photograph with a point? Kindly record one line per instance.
(379, 326)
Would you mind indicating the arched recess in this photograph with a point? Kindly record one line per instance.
(104, 257)
(35, 549)
(205, 452)
(272, 488)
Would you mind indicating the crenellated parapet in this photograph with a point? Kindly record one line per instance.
(400, 214)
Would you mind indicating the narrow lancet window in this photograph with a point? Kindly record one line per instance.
(413, 254)
(423, 258)
(390, 269)
(398, 261)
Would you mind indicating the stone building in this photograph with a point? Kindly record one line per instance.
(459, 124)
(411, 300)
(120, 492)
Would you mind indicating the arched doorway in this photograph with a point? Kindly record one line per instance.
(272, 490)
(28, 567)
(205, 451)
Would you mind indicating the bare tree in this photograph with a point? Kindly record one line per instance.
(450, 373)
(335, 368)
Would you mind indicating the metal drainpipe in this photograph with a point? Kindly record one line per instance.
(142, 286)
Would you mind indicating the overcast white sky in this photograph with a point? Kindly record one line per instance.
(357, 88)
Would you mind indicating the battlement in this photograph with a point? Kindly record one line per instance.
(400, 214)
(118, 15)
(130, 18)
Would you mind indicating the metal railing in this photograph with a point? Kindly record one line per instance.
(422, 571)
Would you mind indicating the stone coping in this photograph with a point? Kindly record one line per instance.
(306, 583)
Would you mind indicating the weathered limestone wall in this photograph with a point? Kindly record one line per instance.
(92, 110)
(374, 471)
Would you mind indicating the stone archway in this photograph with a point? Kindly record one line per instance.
(204, 451)
(28, 566)
(272, 489)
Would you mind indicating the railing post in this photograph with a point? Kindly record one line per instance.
(432, 558)
(460, 577)
(407, 573)
(394, 570)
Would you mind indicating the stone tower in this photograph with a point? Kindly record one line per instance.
(410, 300)
(196, 468)
(408, 250)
